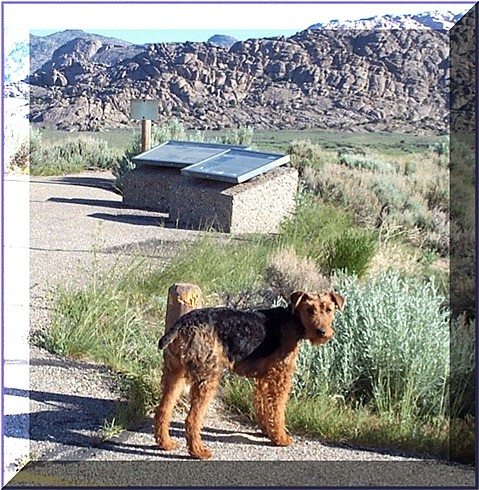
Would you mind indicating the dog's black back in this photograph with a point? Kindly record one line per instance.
(243, 334)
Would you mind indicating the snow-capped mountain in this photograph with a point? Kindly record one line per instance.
(427, 20)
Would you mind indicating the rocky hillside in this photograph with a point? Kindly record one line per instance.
(351, 80)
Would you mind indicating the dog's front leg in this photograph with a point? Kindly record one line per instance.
(270, 397)
(260, 401)
(279, 386)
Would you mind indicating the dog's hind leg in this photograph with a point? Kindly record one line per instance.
(172, 383)
(202, 393)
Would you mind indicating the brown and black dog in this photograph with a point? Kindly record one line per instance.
(260, 344)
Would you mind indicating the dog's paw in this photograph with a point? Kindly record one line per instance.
(167, 444)
(200, 453)
(282, 439)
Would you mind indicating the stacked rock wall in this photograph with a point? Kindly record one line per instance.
(259, 205)
(150, 187)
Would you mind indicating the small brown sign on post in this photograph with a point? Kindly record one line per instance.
(182, 298)
(145, 110)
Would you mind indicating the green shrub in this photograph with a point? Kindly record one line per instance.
(391, 194)
(173, 130)
(238, 136)
(326, 234)
(352, 251)
(364, 163)
(304, 154)
(312, 225)
(390, 351)
(442, 150)
(125, 164)
(69, 156)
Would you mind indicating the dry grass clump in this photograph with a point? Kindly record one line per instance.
(405, 260)
(287, 272)
(350, 188)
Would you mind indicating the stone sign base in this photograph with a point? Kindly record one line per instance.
(259, 205)
(149, 187)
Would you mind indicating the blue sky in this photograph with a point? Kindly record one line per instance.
(156, 22)
(178, 35)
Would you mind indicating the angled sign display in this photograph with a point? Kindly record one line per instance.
(236, 166)
(227, 163)
(181, 153)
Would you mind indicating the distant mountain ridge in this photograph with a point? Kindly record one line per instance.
(222, 40)
(42, 48)
(356, 79)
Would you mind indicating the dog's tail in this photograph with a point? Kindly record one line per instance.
(168, 337)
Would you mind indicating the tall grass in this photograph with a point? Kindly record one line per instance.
(327, 234)
(108, 322)
(219, 267)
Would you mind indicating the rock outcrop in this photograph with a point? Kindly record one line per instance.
(339, 79)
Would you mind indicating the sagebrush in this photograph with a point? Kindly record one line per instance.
(72, 155)
(391, 349)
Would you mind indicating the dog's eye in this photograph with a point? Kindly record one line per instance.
(329, 310)
(311, 310)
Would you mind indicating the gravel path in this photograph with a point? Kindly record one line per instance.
(76, 221)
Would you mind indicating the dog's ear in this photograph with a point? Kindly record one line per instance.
(296, 298)
(337, 299)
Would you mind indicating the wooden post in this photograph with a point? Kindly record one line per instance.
(182, 298)
(145, 135)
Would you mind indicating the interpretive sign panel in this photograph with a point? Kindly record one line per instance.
(236, 166)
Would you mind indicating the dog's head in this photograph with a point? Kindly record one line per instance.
(316, 312)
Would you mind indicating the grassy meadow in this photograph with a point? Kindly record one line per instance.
(372, 222)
